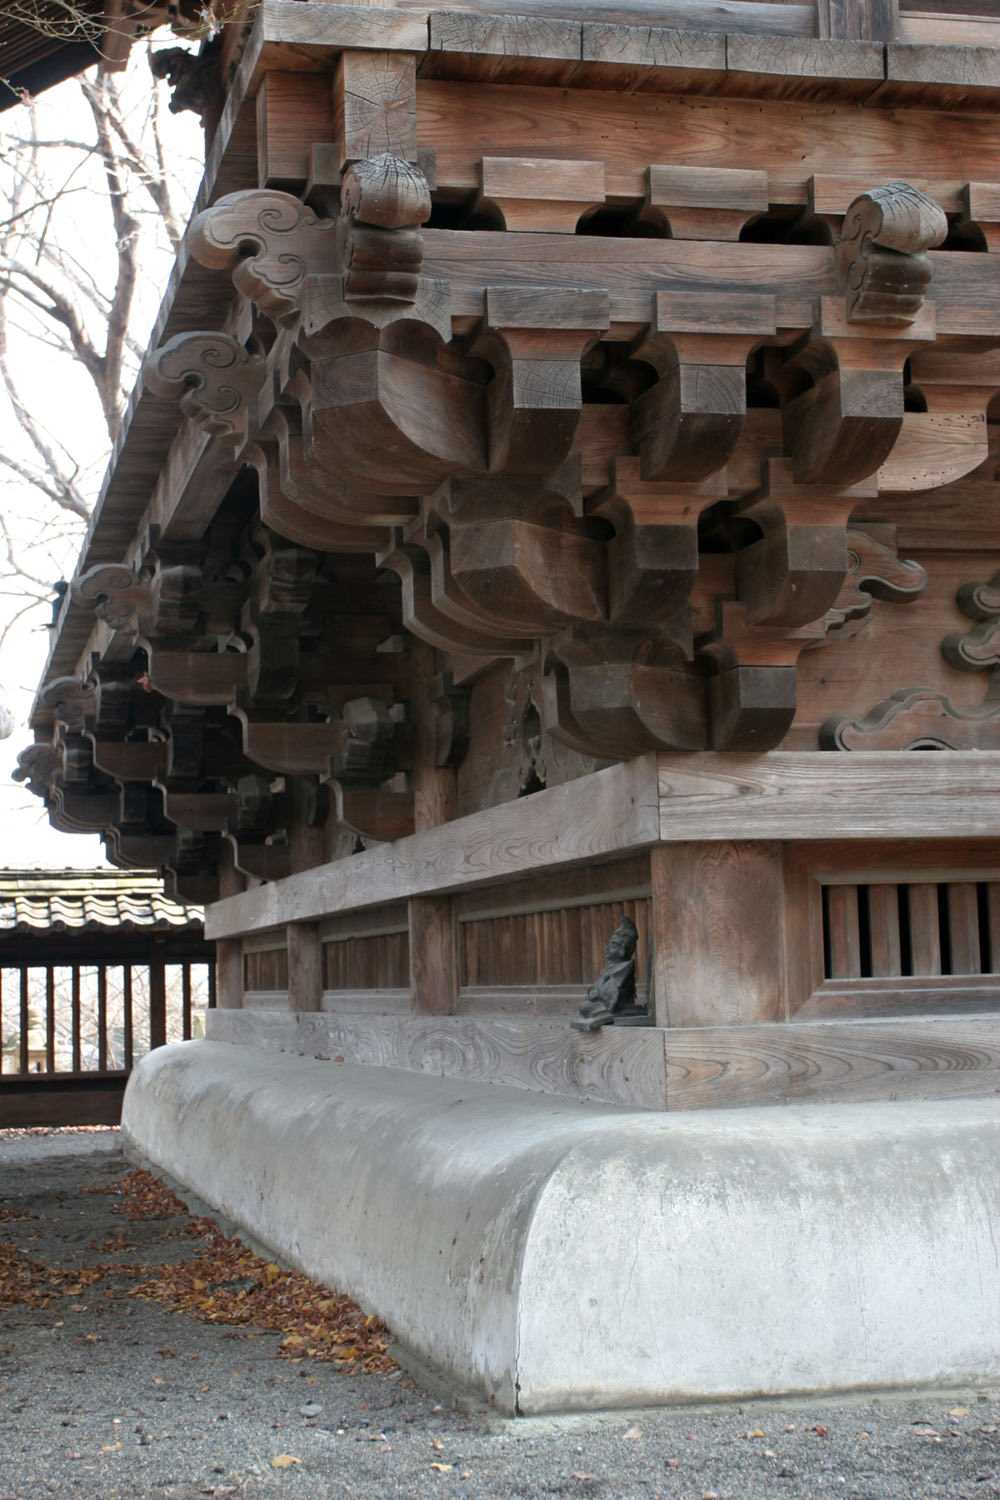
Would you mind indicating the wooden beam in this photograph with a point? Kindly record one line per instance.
(305, 966)
(801, 796)
(609, 812)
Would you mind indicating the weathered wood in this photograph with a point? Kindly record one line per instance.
(963, 929)
(868, 20)
(618, 1065)
(872, 999)
(374, 100)
(294, 112)
(433, 956)
(784, 67)
(925, 932)
(883, 914)
(61, 1099)
(611, 812)
(305, 966)
(504, 49)
(718, 950)
(537, 194)
(652, 58)
(845, 943)
(229, 974)
(735, 1067)
(952, 78)
(796, 795)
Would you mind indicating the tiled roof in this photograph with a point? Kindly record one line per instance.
(88, 900)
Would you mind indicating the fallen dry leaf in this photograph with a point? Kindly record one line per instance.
(633, 1434)
(442, 1468)
(284, 1461)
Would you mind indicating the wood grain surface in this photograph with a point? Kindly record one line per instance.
(618, 1065)
(611, 811)
(801, 796)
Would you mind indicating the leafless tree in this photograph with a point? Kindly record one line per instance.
(82, 213)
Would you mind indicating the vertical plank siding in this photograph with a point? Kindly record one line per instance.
(565, 945)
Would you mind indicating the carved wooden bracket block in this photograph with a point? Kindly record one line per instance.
(880, 259)
(845, 425)
(795, 572)
(653, 556)
(535, 338)
(37, 765)
(981, 212)
(213, 376)
(704, 203)
(917, 719)
(688, 424)
(752, 694)
(271, 242)
(599, 704)
(537, 194)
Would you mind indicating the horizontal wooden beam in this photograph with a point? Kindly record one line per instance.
(799, 796)
(61, 1099)
(609, 812)
(710, 1067)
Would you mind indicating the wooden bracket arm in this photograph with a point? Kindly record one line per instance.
(688, 424)
(271, 242)
(535, 338)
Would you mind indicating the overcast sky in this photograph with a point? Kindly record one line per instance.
(60, 394)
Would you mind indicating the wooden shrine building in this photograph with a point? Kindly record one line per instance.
(563, 487)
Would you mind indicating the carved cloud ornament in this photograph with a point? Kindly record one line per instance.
(917, 719)
(213, 376)
(880, 258)
(977, 649)
(270, 242)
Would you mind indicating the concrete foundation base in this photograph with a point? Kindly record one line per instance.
(553, 1255)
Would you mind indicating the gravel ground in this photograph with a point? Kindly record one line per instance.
(105, 1395)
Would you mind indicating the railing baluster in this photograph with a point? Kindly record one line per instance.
(77, 1060)
(50, 1019)
(157, 997)
(211, 984)
(186, 1001)
(23, 1049)
(102, 1019)
(127, 1015)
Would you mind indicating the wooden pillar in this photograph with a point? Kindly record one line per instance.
(718, 934)
(434, 790)
(157, 997)
(433, 956)
(305, 966)
(229, 974)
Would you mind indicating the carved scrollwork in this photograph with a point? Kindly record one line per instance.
(880, 258)
(977, 649)
(37, 766)
(874, 571)
(271, 242)
(917, 719)
(70, 700)
(213, 376)
(115, 593)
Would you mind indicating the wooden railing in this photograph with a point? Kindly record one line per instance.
(70, 1031)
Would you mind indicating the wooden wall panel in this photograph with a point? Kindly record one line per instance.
(266, 969)
(367, 963)
(556, 947)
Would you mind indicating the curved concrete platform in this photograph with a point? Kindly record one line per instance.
(552, 1255)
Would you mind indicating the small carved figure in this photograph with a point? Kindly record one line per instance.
(610, 1001)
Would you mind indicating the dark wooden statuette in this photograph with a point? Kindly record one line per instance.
(610, 1001)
